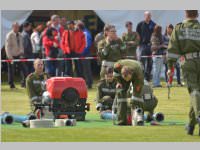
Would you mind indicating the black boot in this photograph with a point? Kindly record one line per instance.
(190, 129)
(149, 118)
(12, 86)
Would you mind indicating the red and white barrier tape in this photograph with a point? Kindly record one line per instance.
(75, 58)
(46, 59)
(150, 56)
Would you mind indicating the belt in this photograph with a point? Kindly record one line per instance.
(192, 55)
(108, 63)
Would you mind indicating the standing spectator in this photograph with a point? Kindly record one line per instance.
(28, 50)
(42, 35)
(51, 46)
(63, 22)
(166, 38)
(157, 48)
(48, 25)
(73, 43)
(35, 40)
(100, 36)
(85, 63)
(110, 50)
(145, 29)
(15, 50)
(55, 23)
(131, 39)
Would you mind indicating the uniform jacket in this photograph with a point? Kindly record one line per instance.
(105, 89)
(11, 45)
(78, 39)
(111, 50)
(185, 39)
(131, 48)
(34, 85)
(137, 77)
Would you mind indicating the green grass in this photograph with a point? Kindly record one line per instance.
(94, 129)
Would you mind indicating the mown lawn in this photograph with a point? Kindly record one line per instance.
(94, 129)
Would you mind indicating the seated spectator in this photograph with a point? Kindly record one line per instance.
(34, 84)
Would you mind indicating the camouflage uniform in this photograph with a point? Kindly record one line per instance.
(150, 100)
(100, 36)
(185, 43)
(34, 88)
(122, 94)
(106, 93)
(109, 53)
(131, 48)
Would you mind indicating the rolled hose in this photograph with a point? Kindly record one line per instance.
(108, 116)
(6, 118)
(156, 117)
(21, 118)
(42, 123)
(60, 122)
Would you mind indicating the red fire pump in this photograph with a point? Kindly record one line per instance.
(68, 96)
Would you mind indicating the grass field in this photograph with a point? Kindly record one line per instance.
(94, 129)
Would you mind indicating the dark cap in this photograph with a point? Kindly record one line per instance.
(70, 22)
(109, 70)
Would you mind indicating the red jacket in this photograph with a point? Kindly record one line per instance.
(48, 43)
(61, 30)
(79, 38)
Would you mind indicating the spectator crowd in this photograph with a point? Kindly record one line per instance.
(68, 39)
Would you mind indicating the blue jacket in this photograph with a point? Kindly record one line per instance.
(88, 37)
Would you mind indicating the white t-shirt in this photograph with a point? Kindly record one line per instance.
(35, 40)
